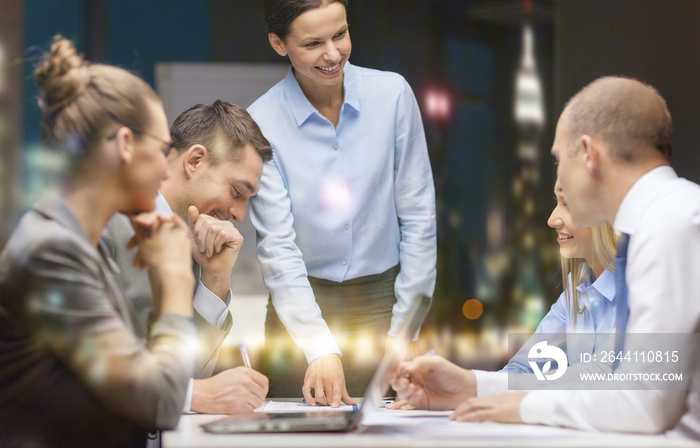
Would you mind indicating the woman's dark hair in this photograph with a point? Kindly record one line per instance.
(279, 14)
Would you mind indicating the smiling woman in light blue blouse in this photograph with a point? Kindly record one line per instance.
(346, 210)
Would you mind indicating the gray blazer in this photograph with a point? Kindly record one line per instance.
(137, 288)
(75, 368)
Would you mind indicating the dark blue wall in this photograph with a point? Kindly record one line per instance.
(135, 34)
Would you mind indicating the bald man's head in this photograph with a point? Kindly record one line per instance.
(628, 115)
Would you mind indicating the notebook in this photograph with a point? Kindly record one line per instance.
(333, 420)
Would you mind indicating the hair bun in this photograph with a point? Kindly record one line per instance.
(61, 75)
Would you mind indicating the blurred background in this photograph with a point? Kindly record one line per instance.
(491, 77)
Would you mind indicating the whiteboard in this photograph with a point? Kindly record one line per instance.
(181, 85)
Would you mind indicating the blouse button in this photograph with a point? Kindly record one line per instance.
(335, 147)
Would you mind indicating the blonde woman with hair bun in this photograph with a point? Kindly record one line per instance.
(75, 370)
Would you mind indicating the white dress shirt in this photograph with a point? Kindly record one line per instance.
(208, 305)
(343, 202)
(661, 213)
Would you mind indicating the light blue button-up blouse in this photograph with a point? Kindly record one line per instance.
(343, 202)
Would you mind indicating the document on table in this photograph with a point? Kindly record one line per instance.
(406, 418)
(291, 406)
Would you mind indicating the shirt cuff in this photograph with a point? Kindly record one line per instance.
(210, 306)
(320, 348)
(490, 383)
(538, 407)
(188, 396)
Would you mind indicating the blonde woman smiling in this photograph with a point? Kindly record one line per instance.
(587, 257)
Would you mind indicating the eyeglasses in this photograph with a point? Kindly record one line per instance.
(168, 145)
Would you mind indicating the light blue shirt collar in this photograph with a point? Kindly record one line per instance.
(302, 108)
(604, 285)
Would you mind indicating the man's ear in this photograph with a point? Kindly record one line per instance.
(193, 159)
(277, 44)
(591, 152)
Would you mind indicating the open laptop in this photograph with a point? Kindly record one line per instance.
(333, 420)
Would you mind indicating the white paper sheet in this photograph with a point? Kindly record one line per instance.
(395, 418)
(290, 406)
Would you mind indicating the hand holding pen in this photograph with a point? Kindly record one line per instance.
(244, 355)
(404, 374)
(231, 391)
(398, 403)
(432, 382)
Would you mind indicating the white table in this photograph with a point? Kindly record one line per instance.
(189, 434)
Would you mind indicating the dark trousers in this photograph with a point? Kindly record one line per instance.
(357, 311)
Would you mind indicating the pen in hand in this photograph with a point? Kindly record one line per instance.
(244, 355)
(404, 374)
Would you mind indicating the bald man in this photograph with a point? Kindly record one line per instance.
(613, 148)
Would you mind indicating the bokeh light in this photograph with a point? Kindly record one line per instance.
(335, 194)
(472, 309)
(438, 104)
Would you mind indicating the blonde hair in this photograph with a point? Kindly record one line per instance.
(79, 99)
(605, 249)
